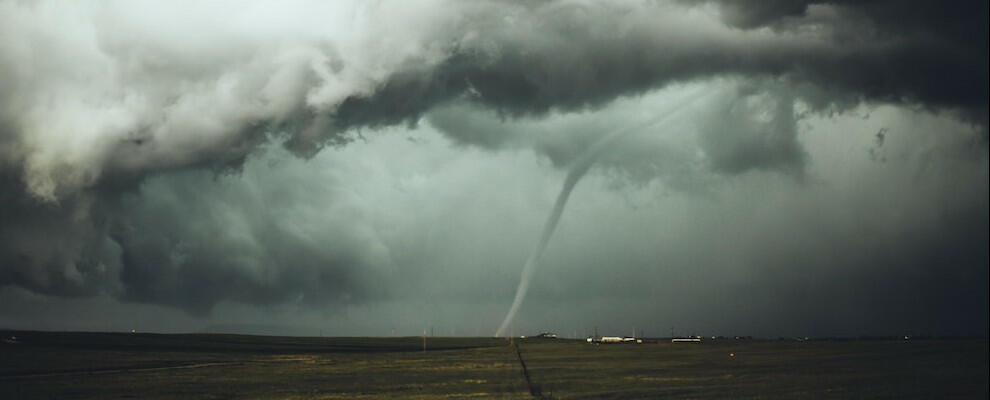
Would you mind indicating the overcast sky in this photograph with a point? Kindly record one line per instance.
(784, 168)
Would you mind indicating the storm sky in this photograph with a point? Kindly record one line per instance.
(386, 167)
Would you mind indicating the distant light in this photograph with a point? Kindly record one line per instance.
(732, 354)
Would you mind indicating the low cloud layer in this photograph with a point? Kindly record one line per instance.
(341, 155)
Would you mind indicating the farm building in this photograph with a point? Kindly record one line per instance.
(614, 339)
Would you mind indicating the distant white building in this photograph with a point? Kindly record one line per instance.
(614, 339)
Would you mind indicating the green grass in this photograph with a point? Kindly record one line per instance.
(115, 366)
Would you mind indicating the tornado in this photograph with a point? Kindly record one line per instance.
(578, 168)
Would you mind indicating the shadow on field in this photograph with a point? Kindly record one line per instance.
(219, 343)
(210, 366)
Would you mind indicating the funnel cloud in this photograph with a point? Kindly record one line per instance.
(576, 171)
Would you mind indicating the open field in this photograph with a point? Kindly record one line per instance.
(149, 366)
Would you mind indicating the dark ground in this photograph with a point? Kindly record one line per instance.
(49, 365)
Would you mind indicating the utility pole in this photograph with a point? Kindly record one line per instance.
(424, 340)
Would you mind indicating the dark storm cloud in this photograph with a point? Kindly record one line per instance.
(564, 56)
(59, 249)
(94, 101)
(517, 60)
(181, 250)
(751, 14)
(937, 52)
(193, 239)
(650, 153)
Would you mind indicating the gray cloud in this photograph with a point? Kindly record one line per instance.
(431, 233)
(132, 84)
(563, 57)
(57, 249)
(753, 129)
(137, 159)
(191, 241)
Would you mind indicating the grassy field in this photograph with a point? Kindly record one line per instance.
(48, 365)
